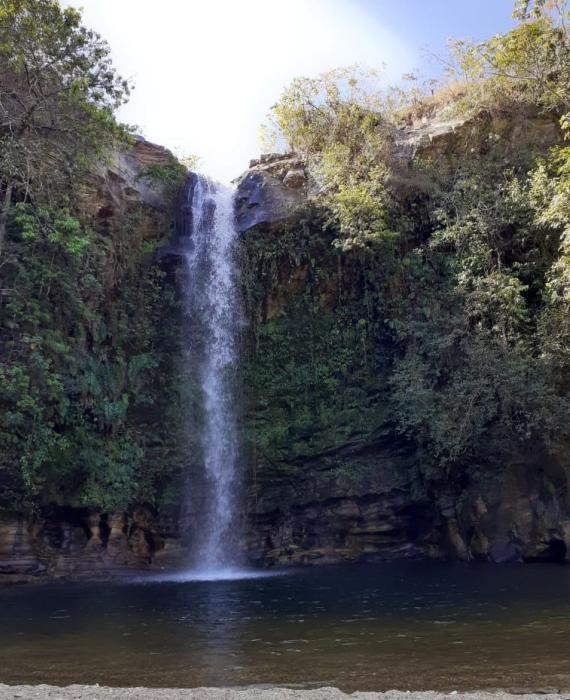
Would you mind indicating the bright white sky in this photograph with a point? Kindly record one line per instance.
(207, 71)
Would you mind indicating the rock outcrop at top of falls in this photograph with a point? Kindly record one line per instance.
(271, 191)
(129, 177)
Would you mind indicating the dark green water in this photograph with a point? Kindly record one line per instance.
(407, 625)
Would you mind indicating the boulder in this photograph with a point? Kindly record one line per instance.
(271, 192)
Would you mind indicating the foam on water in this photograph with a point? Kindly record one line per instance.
(197, 575)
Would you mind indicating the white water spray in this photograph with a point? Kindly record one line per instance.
(212, 304)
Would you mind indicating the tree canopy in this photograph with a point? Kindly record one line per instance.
(481, 262)
(58, 93)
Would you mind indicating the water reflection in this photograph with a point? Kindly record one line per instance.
(455, 626)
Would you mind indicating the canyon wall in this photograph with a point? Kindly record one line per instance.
(329, 477)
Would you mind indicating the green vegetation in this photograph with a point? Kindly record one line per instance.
(84, 358)
(85, 365)
(169, 176)
(437, 311)
(58, 91)
(423, 309)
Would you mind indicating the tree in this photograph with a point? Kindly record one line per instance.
(474, 380)
(549, 194)
(58, 91)
(337, 123)
(527, 66)
(534, 9)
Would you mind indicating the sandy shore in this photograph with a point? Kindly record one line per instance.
(78, 692)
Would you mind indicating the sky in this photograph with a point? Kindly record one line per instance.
(206, 72)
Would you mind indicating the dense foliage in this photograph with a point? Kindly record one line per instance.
(460, 294)
(423, 308)
(81, 313)
(58, 90)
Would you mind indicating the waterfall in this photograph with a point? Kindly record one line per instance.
(207, 235)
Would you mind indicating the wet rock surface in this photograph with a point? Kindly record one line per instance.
(78, 544)
(516, 517)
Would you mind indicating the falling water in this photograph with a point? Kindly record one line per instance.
(212, 307)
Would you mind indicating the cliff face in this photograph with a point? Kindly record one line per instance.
(329, 477)
(118, 364)
(81, 543)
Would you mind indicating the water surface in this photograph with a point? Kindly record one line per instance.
(406, 625)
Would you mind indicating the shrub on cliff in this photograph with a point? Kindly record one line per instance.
(478, 283)
(80, 323)
(58, 92)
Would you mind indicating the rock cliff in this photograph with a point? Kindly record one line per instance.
(328, 476)
(128, 202)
